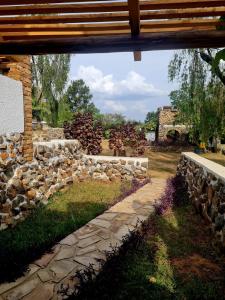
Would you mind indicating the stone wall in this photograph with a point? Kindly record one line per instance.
(166, 123)
(56, 164)
(48, 134)
(206, 187)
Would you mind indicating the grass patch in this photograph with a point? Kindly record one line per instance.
(66, 212)
(172, 259)
(216, 157)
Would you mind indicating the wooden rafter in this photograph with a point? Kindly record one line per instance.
(44, 26)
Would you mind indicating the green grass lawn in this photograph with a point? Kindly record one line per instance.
(67, 211)
(175, 260)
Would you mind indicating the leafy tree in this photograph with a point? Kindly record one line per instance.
(50, 76)
(151, 121)
(78, 96)
(200, 98)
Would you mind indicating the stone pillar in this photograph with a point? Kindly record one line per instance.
(22, 71)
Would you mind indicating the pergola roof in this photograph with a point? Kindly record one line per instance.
(81, 26)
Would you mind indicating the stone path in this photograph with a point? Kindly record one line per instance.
(50, 276)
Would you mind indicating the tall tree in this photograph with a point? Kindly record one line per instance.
(151, 121)
(78, 96)
(50, 76)
(200, 97)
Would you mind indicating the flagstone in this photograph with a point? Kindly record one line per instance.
(23, 289)
(46, 258)
(44, 291)
(101, 223)
(89, 241)
(87, 261)
(61, 269)
(44, 275)
(65, 252)
(86, 250)
(107, 216)
(122, 232)
(105, 234)
(9, 285)
(84, 236)
(69, 240)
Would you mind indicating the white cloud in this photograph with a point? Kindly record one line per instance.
(106, 86)
(132, 96)
(114, 106)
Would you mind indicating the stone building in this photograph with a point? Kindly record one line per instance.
(167, 127)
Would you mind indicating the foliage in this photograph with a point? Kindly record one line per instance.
(50, 76)
(83, 129)
(65, 212)
(78, 96)
(127, 135)
(200, 98)
(40, 110)
(151, 121)
(65, 114)
(109, 121)
(175, 187)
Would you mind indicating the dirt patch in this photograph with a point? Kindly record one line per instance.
(197, 266)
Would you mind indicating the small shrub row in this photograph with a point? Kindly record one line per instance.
(175, 195)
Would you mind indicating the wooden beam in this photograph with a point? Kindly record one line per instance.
(106, 7)
(134, 16)
(51, 35)
(21, 2)
(21, 28)
(137, 55)
(118, 43)
(181, 23)
(155, 3)
(183, 13)
(63, 27)
(75, 18)
(115, 16)
(63, 8)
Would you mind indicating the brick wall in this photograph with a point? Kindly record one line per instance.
(22, 71)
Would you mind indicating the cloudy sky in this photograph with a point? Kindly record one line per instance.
(118, 84)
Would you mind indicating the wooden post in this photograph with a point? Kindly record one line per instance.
(22, 71)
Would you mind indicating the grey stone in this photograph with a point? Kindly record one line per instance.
(61, 269)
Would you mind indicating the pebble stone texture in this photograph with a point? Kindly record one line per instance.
(55, 165)
(206, 188)
(50, 277)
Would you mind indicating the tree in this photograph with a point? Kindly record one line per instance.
(50, 76)
(86, 131)
(151, 121)
(78, 96)
(200, 98)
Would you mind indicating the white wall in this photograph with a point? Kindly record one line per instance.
(11, 106)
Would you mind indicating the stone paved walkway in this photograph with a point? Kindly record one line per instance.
(51, 274)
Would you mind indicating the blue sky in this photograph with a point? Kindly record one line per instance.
(118, 84)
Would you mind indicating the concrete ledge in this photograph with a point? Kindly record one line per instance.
(208, 165)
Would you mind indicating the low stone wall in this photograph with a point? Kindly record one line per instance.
(11, 153)
(55, 165)
(206, 187)
(48, 134)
